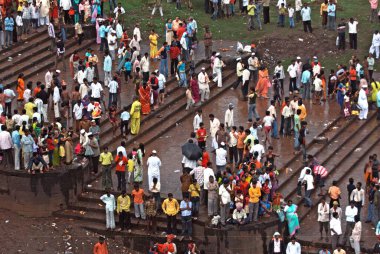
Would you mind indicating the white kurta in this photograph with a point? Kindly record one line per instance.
(154, 164)
(214, 127)
(363, 104)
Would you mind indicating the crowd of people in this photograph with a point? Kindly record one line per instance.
(240, 186)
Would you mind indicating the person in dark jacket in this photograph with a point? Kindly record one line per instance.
(277, 245)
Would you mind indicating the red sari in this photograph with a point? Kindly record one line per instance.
(195, 90)
(144, 93)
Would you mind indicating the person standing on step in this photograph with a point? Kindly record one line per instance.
(335, 229)
(323, 217)
(123, 208)
(350, 213)
(106, 160)
(109, 200)
(101, 246)
(170, 207)
(138, 201)
(186, 212)
(358, 197)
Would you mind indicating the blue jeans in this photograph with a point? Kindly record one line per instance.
(186, 225)
(232, 9)
(306, 90)
(112, 5)
(8, 38)
(195, 205)
(112, 98)
(182, 79)
(275, 129)
(281, 20)
(296, 141)
(164, 67)
(371, 208)
(291, 22)
(308, 200)
(252, 111)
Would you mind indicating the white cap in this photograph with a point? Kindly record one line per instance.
(314, 57)
(156, 71)
(298, 58)
(90, 134)
(222, 144)
(217, 54)
(238, 59)
(364, 86)
(82, 131)
(154, 151)
(57, 71)
(253, 53)
(203, 68)
(276, 234)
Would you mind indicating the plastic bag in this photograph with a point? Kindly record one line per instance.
(239, 47)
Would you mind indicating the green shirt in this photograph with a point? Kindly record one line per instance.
(297, 123)
(106, 158)
(251, 9)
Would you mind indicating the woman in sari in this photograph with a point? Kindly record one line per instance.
(56, 158)
(194, 88)
(141, 153)
(368, 172)
(20, 88)
(292, 218)
(340, 95)
(169, 31)
(144, 93)
(137, 170)
(153, 39)
(69, 148)
(262, 84)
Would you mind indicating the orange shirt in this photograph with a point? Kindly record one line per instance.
(121, 163)
(36, 90)
(20, 89)
(100, 248)
(205, 159)
(352, 74)
(138, 196)
(240, 141)
(334, 192)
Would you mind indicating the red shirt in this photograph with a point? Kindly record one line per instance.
(50, 144)
(205, 159)
(201, 134)
(180, 32)
(244, 186)
(174, 52)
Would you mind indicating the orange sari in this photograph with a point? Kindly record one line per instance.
(262, 84)
(20, 89)
(145, 99)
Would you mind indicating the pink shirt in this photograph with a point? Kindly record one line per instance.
(5, 140)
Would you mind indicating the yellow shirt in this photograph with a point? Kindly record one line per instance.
(135, 109)
(323, 8)
(106, 158)
(29, 109)
(251, 9)
(303, 112)
(131, 165)
(123, 204)
(170, 208)
(194, 190)
(254, 194)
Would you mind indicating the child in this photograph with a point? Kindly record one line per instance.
(128, 69)
(281, 13)
(331, 84)
(276, 88)
(347, 105)
(195, 192)
(291, 15)
(189, 98)
(131, 166)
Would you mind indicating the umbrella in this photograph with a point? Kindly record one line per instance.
(191, 151)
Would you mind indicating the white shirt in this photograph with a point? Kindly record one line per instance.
(259, 148)
(161, 81)
(221, 156)
(203, 80)
(303, 173)
(197, 120)
(276, 246)
(233, 140)
(323, 212)
(48, 79)
(358, 196)
(38, 116)
(317, 84)
(121, 149)
(56, 95)
(183, 42)
(83, 90)
(224, 195)
(65, 4)
(268, 120)
(309, 179)
(292, 70)
(293, 248)
(246, 75)
(154, 164)
(80, 76)
(272, 111)
(336, 225)
(280, 69)
(351, 213)
(113, 85)
(27, 94)
(144, 63)
(206, 177)
(281, 2)
(122, 11)
(109, 201)
(137, 32)
(17, 119)
(214, 126)
(112, 42)
(286, 111)
(24, 118)
(376, 40)
(352, 27)
(96, 89)
(19, 20)
(189, 163)
(298, 5)
(229, 118)
(77, 110)
(156, 189)
(291, 12)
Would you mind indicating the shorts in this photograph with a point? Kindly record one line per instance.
(318, 93)
(267, 128)
(162, 91)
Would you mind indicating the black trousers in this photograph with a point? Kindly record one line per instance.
(239, 80)
(266, 15)
(124, 220)
(121, 183)
(233, 154)
(171, 224)
(95, 164)
(307, 26)
(124, 127)
(353, 41)
(173, 65)
(292, 84)
(8, 108)
(342, 41)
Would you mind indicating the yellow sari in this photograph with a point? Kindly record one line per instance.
(153, 38)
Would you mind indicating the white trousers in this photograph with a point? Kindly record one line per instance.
(218, 77)
(159, 8)
(56, 110)
(363, 114)
(44, 112)
(110, 219)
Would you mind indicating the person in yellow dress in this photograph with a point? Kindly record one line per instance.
(153, 38)
(135, 116)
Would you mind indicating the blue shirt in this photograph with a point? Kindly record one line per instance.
(107, 64)
(378, 99)
(16, 139)
(27, 143)
(182, 67)
(102, 31)
(306, 14)
(331, 10)
(8, 24)
(125, 116)
(305, 76)
(128, 66)
(184, 205)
